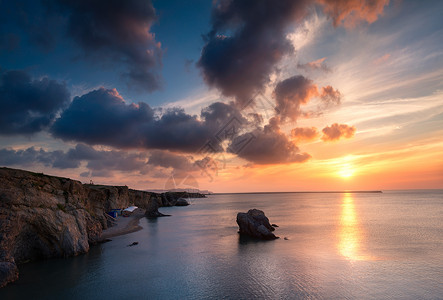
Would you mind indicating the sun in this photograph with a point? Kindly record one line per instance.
(346, 171)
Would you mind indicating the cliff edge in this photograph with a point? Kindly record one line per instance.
(45, 216)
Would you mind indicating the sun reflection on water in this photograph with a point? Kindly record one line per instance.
(350, 233)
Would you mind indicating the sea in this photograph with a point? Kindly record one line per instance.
(340, 245)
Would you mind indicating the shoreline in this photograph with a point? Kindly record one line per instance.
(124, 225)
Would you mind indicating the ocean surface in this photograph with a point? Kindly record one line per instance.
(339, 246)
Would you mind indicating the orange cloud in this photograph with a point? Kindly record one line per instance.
(292, 92)
(330, 96)
(382, 59)
(315, 65)
(304, 133)
(337, 131)
(351, 12)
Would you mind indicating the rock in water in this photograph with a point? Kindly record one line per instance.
(254, 223)
(152, 208)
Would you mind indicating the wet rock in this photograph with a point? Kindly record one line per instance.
(254, 223)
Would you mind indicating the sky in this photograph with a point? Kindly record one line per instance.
(228, 96)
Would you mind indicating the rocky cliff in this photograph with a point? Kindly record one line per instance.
(45, 216)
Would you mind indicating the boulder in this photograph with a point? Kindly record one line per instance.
(254, 223)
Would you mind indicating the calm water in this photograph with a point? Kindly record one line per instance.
(339, 246)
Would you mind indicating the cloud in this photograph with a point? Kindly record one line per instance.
(246, 41)
(337, 131)
(98, 162)
(330, 96)
(351, 12)
(291, 93)
(117, 31)
(31, 18)
(249, 38)
(304, 134)
(30, 156)
(115, 35)
(381, 60)
(29, 105)
(315, 65)
(268, 145)
(167, 159)
(102, 117)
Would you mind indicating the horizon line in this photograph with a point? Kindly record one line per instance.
(300, 192)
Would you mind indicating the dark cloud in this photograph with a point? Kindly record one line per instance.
(167, 159)
(117, 31)
(96, 160)
(304, 133)
(246, 41)
(30, 18)
(291, 93)
(119, 161)
(351, 12)
(268, 145)
(337, 131)
(30, 156)
(29, 105)
(9, 42)
(113, 34)
(102, 117)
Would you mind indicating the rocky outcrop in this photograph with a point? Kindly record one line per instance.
(45, 216)
(8, 273)
(181, 202)
(254, 223)
(178, 198)
(152, 208)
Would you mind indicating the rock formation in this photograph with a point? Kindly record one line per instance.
(255, 224)
(152, 208)
(182, 202)
(45, 216)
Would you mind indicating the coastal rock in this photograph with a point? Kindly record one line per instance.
(255, 224)
(45, 216)
(8, 272)
(152, 208)
(182, 202)
(173, 198)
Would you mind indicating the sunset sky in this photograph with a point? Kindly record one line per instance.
(230, 96)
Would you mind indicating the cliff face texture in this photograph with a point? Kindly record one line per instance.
(45, 216)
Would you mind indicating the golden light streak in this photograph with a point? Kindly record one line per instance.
(350, 233)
